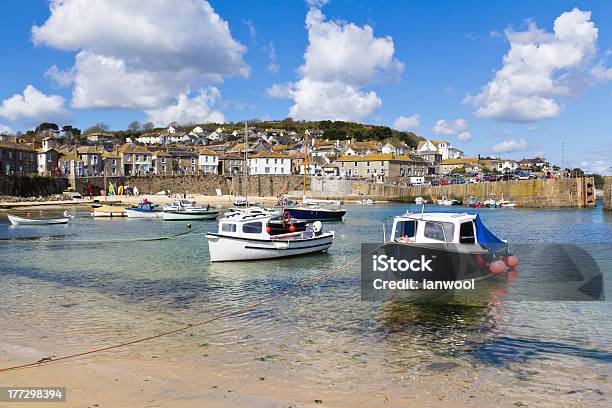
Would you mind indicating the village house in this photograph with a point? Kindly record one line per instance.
(91, 156)
(501, 165)
(362, 149)
(381, 167)
(16, 158)
(449, 165)
(537, 163)
(232, 164)
(162, 163)
(442, 147)
(208, 161)
(48, 158)
(111, 163)
(135, 160)
(70, 165)
(269, 163)
(187, 161)
(395, 148)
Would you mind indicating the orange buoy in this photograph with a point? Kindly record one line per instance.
(292, 228)
(268, 229)
(512, 261)
(497, 267)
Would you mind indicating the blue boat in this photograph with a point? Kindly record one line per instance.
(145, 209)
(316, 213)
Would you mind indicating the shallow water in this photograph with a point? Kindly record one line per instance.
(79, 291)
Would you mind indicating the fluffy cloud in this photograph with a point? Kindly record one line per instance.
(186, 109)
(33, 106)
(341, 59)
(464, 136)
(509, 146)
(140, 57)
(442, 127)
(603, 167)
(60, 78)
(539, 68)
(273, 66)
(407, 122)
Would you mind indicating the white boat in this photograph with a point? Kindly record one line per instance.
(183, 214)
(420, 200)
(367, 201)
(189, 207)
(244, 236)
(505, 203)
(241, 202)
(145, 209)
(15, 220)
(445, 201)
(314, 201)
(459, 244)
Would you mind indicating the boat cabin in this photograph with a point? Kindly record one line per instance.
(435, 228)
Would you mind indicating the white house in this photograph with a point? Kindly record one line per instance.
(441, 146)
(270, 163)
(208, 161)
(170, 129)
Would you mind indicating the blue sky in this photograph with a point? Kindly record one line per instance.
(421, 58)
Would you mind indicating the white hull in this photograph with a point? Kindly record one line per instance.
(420, 200)
(142, 214)
(226, 248)
(31, 221)
(181, 216)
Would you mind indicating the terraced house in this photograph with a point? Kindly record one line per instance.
(381, 167)
(135, 160)
(269, 163)
(17, 158)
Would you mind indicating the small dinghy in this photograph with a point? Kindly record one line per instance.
(367, 201)
(108, 211)
(39, 221)
(248, 236)
(420, 200)
(145, 209)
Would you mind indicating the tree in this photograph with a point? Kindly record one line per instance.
(97, 128)
(577, 172)
(46, 126)
(134, 126)
(148, 126)
(71, 132)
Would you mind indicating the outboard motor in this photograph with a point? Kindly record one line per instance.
(317, 227)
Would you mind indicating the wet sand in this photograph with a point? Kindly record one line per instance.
(137, 380)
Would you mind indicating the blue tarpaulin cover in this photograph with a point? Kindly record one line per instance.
(486, 238)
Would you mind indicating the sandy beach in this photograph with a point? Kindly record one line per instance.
(144, 380)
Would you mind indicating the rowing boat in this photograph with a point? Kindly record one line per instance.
(37, 221)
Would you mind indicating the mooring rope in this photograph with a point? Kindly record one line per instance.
(57, 238)
(220, 316)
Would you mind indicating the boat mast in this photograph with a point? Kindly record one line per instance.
(246, 166)
(305, 165)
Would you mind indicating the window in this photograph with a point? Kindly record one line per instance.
(193, 169)
(163, 159)
(355, 164)
(466, 233)
(275, 161)
(267, 170)
(439, 231)
(228, 227)
(267, 161)
(192, 160)
(252, 228)
(405, 229)
(368, 164)
(114, 162)
(144, 157)
(163, 168)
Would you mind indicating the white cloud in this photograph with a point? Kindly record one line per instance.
(33, 106)
(464, 136)
(509, 146)
(603, 167)
(251, 28)
(273, 66)
(442, 127)
(341, 59)
(5, 129)
(197, 109)
(153, 53)
(60, 78)
(539, 68)
(407, 122)
(317, 3)
(601, 73)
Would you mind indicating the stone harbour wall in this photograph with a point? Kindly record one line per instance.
(260, 185)
(538, 193)
(607, 193)
(31, 185)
